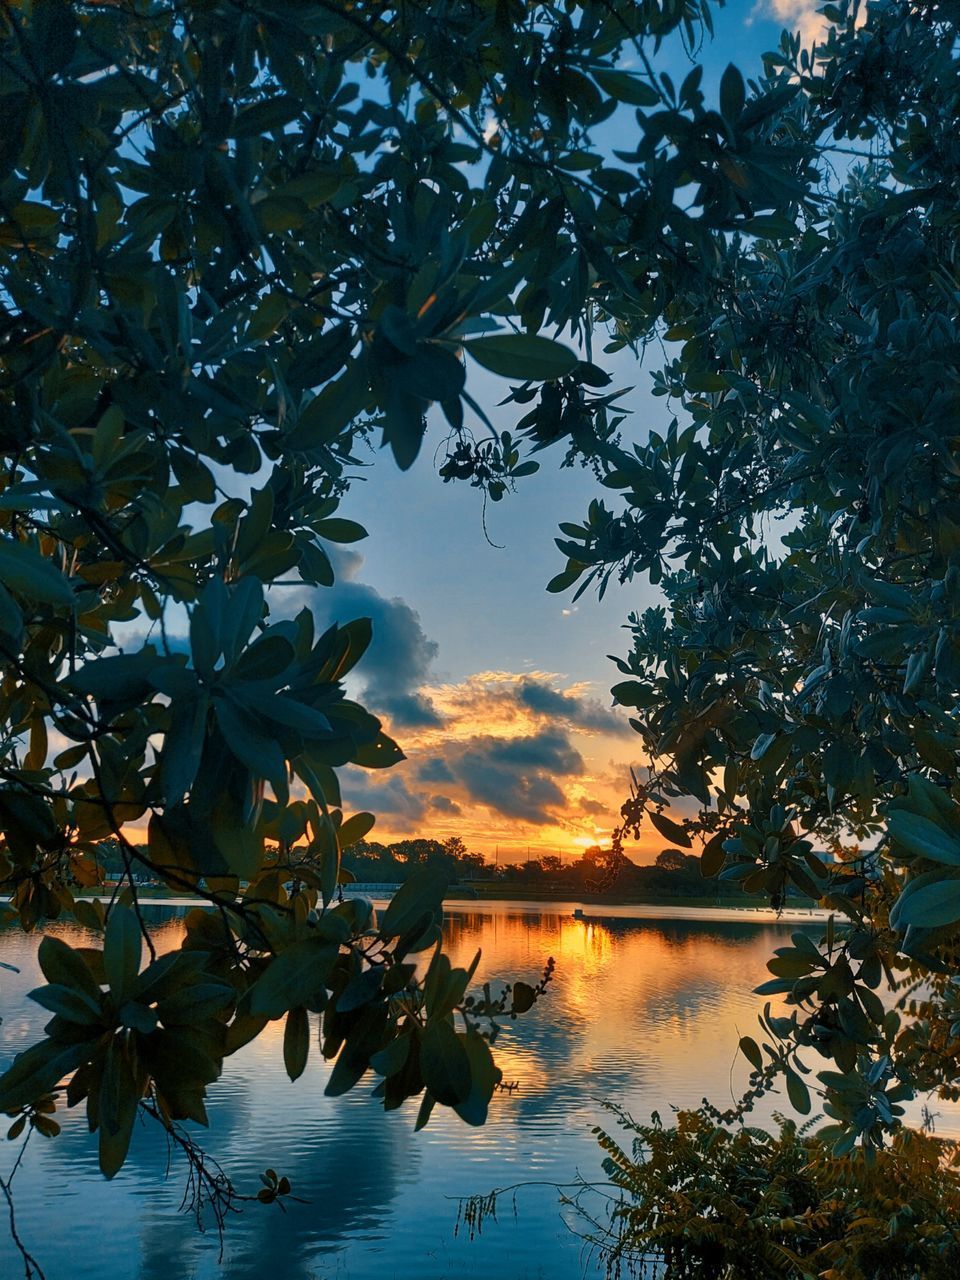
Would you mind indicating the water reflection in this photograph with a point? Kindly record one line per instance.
(645, 1014)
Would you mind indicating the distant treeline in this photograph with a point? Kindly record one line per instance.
(596, 871)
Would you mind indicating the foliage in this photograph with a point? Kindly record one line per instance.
(239, 242)
(798, 690)
(699, 1200)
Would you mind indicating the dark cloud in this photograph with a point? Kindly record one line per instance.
(400, 654)
(443, 804)
(397, 664)
(436, 770)
(387, 796)
(593, 807)
(515, 777)
(579, 713)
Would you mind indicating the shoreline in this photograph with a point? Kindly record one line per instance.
(589, 912)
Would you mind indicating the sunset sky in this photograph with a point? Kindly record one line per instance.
(497, 692)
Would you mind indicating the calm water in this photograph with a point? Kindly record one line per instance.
(644, 1013)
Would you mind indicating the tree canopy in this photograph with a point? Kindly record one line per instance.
(798, 691)
(237, 241)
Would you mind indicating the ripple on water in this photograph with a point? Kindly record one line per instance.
(641, 1013)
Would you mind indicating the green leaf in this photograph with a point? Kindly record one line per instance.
(355, 829)
(562, 581)
(484, 1077)
(393, 1058)
(382, 753)
(294, 977)
(336, 530)
(119, 1098)
(67, 1002)
(417, 898)
(713, 857)
(262, 754)
(266, 116)
(121, 951)
(928, 905)
(38, 1070)
(524, 356)
(922, 838)
(733, 94)
(797, 1092)
(672, 830)
(31, 575)
(751, 1051)
(524, 997)
(444, 1063)
(61, 964)
(296, 1042)
(626, 88)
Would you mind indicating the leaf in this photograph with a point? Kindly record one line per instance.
(797, 1092)
(404, 425)
(484, 1077)
(294, 977)
(393, 1058)
(119, 1098)
(733, 94)
(565, 579)
(714, 856)
(417, 898)
(929, 905)
(31, 575)
(523, 356)
(355, 829)
(626, 88)
(60, 963)
(296, 1041)
(336, 530)
(121, 951)
(922, 838)
(382, 753)
(444, 1063)
(262, 755)
(265, 116)
(425, 1111)
(524, 997)
(751, 1051)
(38, 1070)
(67, 1002)
(672, 830)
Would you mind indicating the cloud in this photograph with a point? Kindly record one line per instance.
(797, 15)
(443, 804)
(435, 771)
(516, 778)
(506, 704)
(397, 664)
(386, 794)
(594, 808)
(569, 708)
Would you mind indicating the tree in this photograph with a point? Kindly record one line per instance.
(702, 1199)
(239, 242)
(799, 689)
(671, 860)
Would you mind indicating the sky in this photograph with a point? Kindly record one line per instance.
(497, 692)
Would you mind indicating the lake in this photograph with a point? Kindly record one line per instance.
(645, 1013)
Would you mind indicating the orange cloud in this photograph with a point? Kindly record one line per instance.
(515, 762)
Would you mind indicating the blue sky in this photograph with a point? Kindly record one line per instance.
(498, 691)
